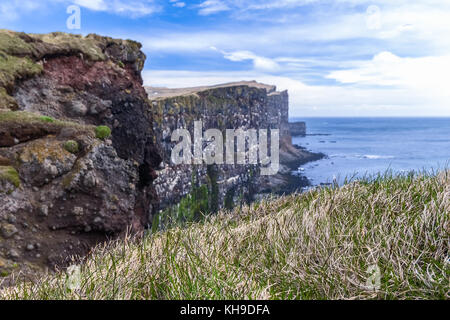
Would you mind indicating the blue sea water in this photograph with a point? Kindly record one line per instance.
(364, 146)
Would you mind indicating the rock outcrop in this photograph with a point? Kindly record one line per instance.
(65, 186)
(297, 128)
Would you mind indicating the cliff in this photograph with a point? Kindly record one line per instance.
(245, 105)
(85, 150)
(65, 184)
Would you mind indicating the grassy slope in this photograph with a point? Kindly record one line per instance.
(318, 245)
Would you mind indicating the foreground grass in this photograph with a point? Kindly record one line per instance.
(323, 244)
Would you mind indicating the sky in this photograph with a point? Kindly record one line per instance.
(336, 58)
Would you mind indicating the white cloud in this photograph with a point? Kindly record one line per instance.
(259, 63)
(97, 5)
(424, 74)
(212, 6)
(402, 28)
(132, 8)
(11, 10)
(315, 53)
(179, 4)
(269, 5)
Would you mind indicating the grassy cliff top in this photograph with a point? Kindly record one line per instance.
(160, 92)
(386, 238)
(38, 46)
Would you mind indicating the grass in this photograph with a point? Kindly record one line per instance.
(24, 118)
(322, 244)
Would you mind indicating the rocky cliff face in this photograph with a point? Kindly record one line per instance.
(64, 184)
(246, 105)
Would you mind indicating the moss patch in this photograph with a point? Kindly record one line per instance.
(90, 47)
(47, 119)
(13, 68)
(9, 174)
(46, 148)
(72, 146)
(24, 118)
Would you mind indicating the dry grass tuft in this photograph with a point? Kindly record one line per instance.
(317, 245)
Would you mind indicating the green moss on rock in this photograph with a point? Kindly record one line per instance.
(102, 132)
(46, 119)
(61, 42)
(29, 118)
(13, 68)
(6, 101)
(13, 43)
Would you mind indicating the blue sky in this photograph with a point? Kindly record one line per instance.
(336, 58)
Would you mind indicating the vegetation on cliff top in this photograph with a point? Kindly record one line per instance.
(328, 243)
(24, 118)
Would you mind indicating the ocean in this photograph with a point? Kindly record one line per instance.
(357, 147)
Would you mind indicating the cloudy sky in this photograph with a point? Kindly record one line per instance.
(336, 58)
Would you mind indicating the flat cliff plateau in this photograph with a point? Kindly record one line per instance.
(66, 183)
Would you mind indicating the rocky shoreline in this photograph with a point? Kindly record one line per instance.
(289, 180)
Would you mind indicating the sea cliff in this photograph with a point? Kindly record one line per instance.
(85, 148)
